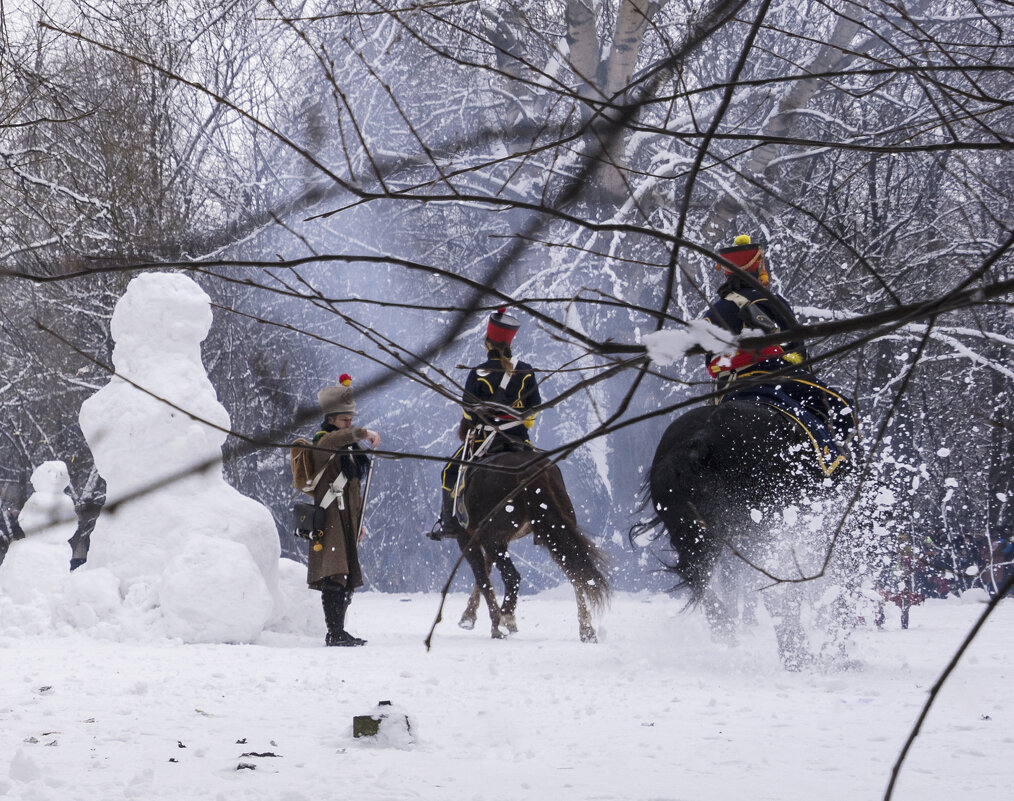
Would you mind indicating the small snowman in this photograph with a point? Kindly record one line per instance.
(36, 568)
(49, 515)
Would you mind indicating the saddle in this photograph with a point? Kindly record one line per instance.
(475, 454)
(824, 416)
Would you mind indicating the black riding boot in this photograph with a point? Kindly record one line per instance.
(448, 526)
(331, 600)
(347, 639)
(336, 603)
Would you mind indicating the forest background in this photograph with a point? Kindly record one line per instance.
(357, 184)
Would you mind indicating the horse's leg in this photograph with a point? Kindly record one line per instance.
(749, 616)
(554, 526)
(478, 561)
(511, 587)
(699, 568)
(746, 594)
(793, 644)
(839, 620)
(468, 617)
(723, 629)
(471, 609)
(584, 617)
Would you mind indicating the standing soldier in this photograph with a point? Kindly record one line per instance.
(339, 468)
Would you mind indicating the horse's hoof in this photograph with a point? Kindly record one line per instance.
(510, 623)
(466, 623)
(496, 634)
(797, 663)
(589, 636)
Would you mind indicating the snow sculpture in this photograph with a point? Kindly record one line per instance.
(48, 514)
(196, 558)
(36, 568)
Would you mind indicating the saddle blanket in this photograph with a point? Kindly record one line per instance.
(830, 454)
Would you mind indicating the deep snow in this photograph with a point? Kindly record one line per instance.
(653, 711)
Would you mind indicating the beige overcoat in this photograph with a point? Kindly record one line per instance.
(339, 557)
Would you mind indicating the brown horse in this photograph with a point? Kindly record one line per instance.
(507, 496)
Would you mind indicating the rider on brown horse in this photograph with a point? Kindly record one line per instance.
(793, 388)
(496, 382)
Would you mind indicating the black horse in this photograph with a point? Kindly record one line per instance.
(720, 483)
(507, 496)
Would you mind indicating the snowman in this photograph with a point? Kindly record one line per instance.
(190, 553)
(48, 515)
(34, 572)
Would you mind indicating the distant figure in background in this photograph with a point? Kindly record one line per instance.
(79, 543)
(498, 381)
(89, 507)
(898, 582)
(1001, 559)
(340, 467)
(10, 530)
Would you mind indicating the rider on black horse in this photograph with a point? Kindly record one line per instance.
(824, 412)
(496, 382)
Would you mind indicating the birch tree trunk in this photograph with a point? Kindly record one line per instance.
(632, 23)
(782, 121)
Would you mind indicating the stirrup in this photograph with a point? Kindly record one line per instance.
(439, 532)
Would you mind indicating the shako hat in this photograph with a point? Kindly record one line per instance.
(339, 399)
(745, 255)
(501, 327)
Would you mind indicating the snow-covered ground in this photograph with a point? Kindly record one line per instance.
(655, 710)
(114, 682)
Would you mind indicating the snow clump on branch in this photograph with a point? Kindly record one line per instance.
(666, 347)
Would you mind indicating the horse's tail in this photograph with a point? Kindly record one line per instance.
(554, 525)
(683, 459)
(647, 528)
